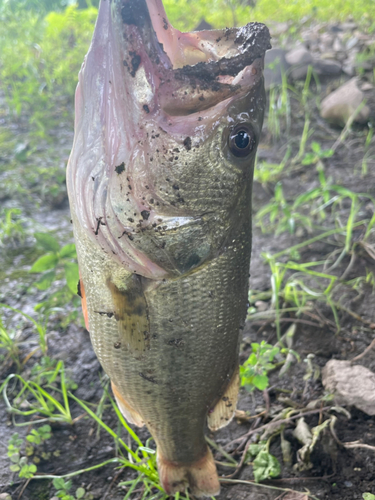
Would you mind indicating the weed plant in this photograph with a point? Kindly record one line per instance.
(38, 83)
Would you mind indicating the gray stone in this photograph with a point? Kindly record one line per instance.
(367, 86)
(341, 55)
(5, 496)
(352, 42)
(337, 45)
(340, 105)
(299, 59)
(295, 495)
(348, 26)
(348, 66)
(352, 385)
(298, 56)
(327, 67)
(326, 40)
(328, 55)
(274, 66)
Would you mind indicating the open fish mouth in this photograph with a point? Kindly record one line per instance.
(147, 92)
(192, 71)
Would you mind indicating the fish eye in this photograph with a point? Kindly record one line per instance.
(242, 140)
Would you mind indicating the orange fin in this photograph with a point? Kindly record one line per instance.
(223, 412)
(201, 477)
(132, 416)
(81, 293)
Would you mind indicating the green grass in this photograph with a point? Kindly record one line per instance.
(221, 13)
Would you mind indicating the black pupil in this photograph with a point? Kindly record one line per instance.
(242, 139)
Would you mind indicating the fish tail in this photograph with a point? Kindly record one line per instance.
(201, 476)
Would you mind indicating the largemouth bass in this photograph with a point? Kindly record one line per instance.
(159, 179)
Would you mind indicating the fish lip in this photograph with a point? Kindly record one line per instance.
(254, 35)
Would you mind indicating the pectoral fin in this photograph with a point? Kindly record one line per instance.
(131, 314)
(223, 412)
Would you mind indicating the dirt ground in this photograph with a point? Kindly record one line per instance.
(337, 473)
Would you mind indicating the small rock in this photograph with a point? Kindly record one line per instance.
(348, 66)
(352, 385)
(326, 39)
(299, 59)
(341, 55)
(349, 26)
(327, 67)
(261, 305)
(295, 496)
(274, 66)
(337, 45)
(352, 42)
(335, 28)
(367, 86)
(328, 55)
(5, 496)
(340, 105)
(296, 57)
(348, 69)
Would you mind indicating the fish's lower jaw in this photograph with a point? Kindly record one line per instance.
(201, 476)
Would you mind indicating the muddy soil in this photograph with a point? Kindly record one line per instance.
(337, 472)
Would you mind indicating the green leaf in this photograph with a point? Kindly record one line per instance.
(28, 471)
(15, 468)
(33, 439)
(46, 280)
(327, 153)
(368, 496)
(315, 146)
(305, 197)
(252, 359)
(45, 432)
(68, 484)
(47, 241)
(309, 159)
(80, 493)
(29, 450)
(265, 466)
(15, 457)
(68, 251)
(260, 382)
(59, 483)
(254, 449)
(44, 263)
(71, 276)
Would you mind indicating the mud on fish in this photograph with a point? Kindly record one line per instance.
(159, 179)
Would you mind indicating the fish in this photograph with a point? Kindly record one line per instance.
(159, 180)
